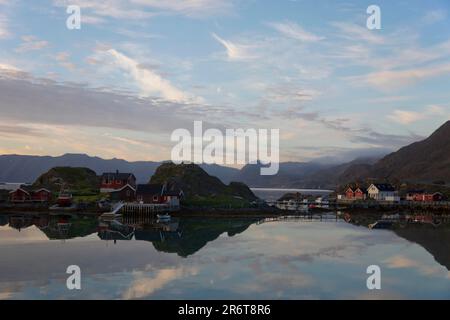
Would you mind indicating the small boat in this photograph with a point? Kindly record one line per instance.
(163, 217)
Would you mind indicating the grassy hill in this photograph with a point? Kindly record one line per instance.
(200, 188)
(79, 181)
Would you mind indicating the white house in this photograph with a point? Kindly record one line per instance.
(382, 192)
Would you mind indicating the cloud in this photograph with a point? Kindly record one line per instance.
(30, 43)
(295, 31)
(235, 51)
(408, 117)
(148, 81)
(63, 59)
(193, 8)
(4, 31)
(144, 9)
(353, 31)
(405, 117)
(403, 262)
(385, 140)
(390, 79)
(143, 285)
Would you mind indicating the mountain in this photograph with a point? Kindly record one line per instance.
(197, 183)
(424, 161)
(333, 176)
(20, 168)
(288, 174)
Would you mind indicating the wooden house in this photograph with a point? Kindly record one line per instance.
(114, 181)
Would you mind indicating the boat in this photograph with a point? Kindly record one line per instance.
(163, 217)
(64, 199)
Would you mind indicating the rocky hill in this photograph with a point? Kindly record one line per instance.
(196, 183)
(80, 181)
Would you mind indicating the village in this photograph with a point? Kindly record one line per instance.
(122, 188)
(115, 187)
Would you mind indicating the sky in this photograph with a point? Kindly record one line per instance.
(139, 69)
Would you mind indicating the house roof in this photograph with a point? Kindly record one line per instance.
(384, 186)
(117, 175)
(124, 187)
(150, 189)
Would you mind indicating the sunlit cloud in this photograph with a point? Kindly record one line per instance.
(145, 284)
(235, 51)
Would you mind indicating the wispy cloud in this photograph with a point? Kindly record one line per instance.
(148, 81)
(295, 31)
(405, 117)
(392, 79)
(357, 32)
(144, 9)
(235, 51)
(4, 31)
(30, 43)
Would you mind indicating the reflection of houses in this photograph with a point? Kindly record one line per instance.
(158, 194)
(27, 194)
(382, 192)
(356, 194)
(20, 222)
(422, 195)
(115, 181)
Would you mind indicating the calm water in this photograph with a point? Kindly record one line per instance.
(271, 194)
(211, 258)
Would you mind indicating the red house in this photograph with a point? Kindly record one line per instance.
(26, 194)
(350, 194)
(423, 196)
(20, 195)
(360, 194)
(41, 195)
(114, 181)
(356, 194)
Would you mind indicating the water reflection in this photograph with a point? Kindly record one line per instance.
(181, 236)
(299, 257)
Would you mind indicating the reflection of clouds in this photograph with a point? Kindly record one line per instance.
(143, 285)
(403, 262)
(30, 234)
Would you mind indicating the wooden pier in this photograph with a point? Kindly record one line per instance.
(147, 208)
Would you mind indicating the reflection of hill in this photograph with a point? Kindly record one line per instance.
(196, 233)
(3, 220)
(435, 240)
(62, 228)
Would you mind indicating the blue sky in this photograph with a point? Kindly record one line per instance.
(139, 69)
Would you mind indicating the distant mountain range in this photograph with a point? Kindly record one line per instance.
(20, 168)
(423, 162)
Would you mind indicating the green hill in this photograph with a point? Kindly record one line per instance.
(200, 188)
(79, 181)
